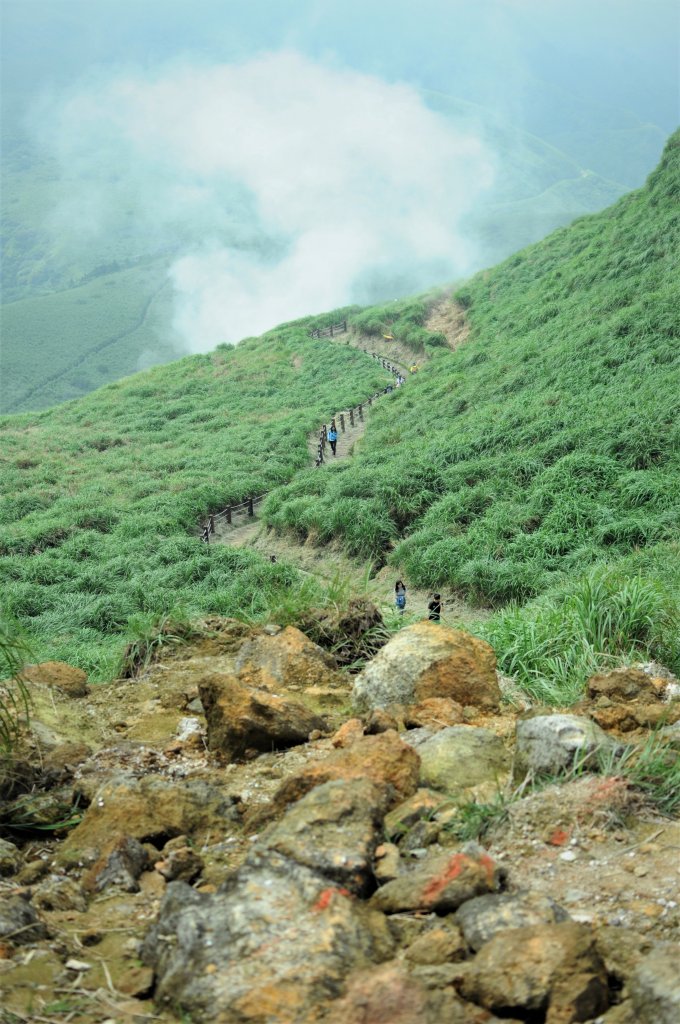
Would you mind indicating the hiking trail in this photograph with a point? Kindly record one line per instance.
(330, 562)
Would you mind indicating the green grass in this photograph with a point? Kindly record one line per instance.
(103, 496)
(604, 618)
(550, 442)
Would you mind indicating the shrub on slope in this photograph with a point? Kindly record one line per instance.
(551, 440)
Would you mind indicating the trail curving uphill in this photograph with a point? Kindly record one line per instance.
(330, 562)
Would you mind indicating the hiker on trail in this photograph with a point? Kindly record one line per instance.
(272, 559)
(333, 436)
(400, 596)
(414, 368)
(435, 608)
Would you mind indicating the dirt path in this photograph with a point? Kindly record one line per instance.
(329, 563)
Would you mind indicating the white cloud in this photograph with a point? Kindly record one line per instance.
(286, 181)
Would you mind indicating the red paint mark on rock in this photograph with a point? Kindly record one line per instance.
(453, 869)
(559, 837)
(326, 896)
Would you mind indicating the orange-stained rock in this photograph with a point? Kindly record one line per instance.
(390, 994)
(551, 969)
(71, 681)
(383, 759)
(145, 809)
(429, 660)
(423, 805)
(434, 713)
(348, 733)
(240, 718)
(623, 684)
(287, 660)
(381, 720)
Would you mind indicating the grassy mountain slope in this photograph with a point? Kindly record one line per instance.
(103, 496)
(551, 440)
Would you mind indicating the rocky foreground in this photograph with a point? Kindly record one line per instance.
(243, 832)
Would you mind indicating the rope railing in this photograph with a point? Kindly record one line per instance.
(247, 508)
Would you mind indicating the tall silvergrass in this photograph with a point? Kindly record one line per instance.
(605, 618)
(14, 696)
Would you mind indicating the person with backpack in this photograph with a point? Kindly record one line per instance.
(333, 436)
(435, 608)
(400, 596)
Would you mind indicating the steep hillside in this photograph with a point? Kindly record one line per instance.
(549, 441)
(103, 496)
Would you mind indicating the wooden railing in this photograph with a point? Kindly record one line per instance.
(246, 510)
(329, 332)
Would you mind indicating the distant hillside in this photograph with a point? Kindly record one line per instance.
(551, 439)
(72, 318)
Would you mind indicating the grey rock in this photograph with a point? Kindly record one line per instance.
(273, 942)
(334, 831)
(441, 882)
(549, 744)
(10, 858)
(462, 756)
(481, 918)
(655, 986)
(121, 867)
(19, 922)
(429, 660)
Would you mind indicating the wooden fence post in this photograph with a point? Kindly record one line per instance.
(229, 514)
(351, 417)
(212, 524)
(320, 452)
(251, 510)
(361, 412)
(342, 422)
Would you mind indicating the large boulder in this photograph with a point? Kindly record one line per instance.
(285, 660)
(334, 830)
(461, 757)
(383, 759)
(429, 660)
(549, 744)
(274, 944)
(655, 986)
(240, 718)
(149, 809)
(441, 882)
(549, 970)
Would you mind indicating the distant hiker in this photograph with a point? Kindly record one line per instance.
(333, 436)
(435, 607)
(414, 368)
(400, 596)
(272, 559)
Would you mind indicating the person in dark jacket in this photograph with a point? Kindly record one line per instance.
(400, 596)
(435, 608)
